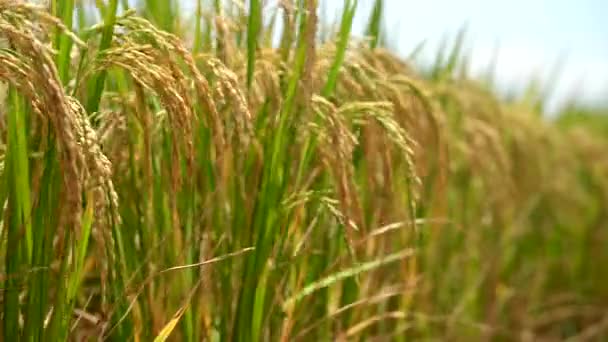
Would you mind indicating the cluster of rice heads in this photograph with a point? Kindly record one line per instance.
(315, 190)
(57, 185)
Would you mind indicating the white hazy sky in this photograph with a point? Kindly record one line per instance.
(531, 37)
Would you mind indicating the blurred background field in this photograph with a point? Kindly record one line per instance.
(296, 170)
(561, 44)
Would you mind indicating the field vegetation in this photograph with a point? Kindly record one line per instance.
(255, 172)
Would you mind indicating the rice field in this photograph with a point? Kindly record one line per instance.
(256, 172)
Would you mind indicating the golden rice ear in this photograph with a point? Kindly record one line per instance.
(230, 96)
(336, 144)
(28, 66)
(99, 168)
(171, 44)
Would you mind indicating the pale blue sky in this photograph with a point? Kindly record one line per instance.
(531, 37)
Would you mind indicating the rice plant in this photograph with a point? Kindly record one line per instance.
(253, 172)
